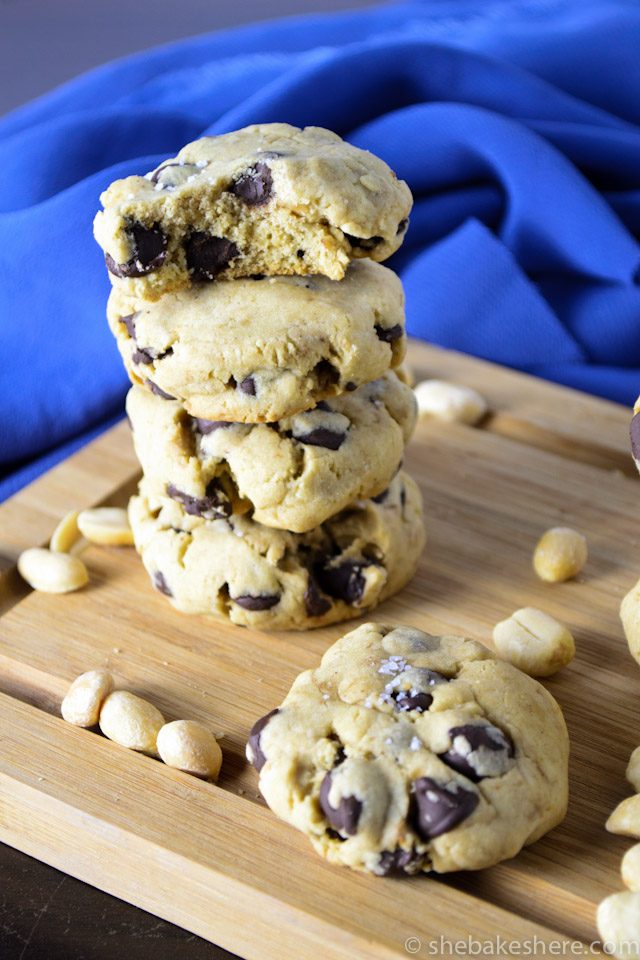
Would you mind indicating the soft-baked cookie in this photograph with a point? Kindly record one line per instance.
(254, 351)
(292, 474)
(405, 752)
(237, 569)
(269, 199)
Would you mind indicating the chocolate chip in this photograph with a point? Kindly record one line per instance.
(156, 173)
(314, 603)
(248, 386)
(479, 737)
(389, 334)
(149, 247)
(322, 437)
(263, 601)
(254, 186)
(343, 818)
(214, 505)
(344, 582)
(363, 243)
(300, 254)
(143, 355)
(381, 497)
(259, 758)
(399, 862)
(402, 226)
(159, 392)
(207, 256)
(129, 324)
(326, 374)
(209, 426)
(635, 436)
(412, 700)
(161, 584)
(439, 808)
(350, 386)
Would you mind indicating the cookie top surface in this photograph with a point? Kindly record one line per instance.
(253, 575)
(293, 474)
(405, 752)
(253, 351)
(270, 198)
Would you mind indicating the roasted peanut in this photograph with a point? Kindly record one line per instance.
(439, 400)
(66, 535)
(625, 819)
(189, 746)
(630, 616)
(81, 706)
(560, 554)
(534, 642)
(618, 921)
(630, 868)
(131, 721)
(52, 572)
(108, 526)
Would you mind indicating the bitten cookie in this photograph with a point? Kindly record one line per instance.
(259, 351)
(239, 570)
(405, 752)
(292, 474)
(269, 199)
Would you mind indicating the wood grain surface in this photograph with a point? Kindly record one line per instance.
(213, 858)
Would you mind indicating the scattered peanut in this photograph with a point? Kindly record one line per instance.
(630, 868)
(108, 526)
(52, 572)
(439, 400)
(534, 642)
(618, 921)
(560, 554)
(630, 616)
(625, 819)
(189, 746)
(85, 697)
(633, 769)
(131, 721)
(66, 535)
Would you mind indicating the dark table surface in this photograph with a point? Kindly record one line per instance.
(45, 914)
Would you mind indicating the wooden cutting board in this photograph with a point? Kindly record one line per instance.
(213, 858)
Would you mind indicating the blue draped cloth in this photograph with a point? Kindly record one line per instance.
(516, 125)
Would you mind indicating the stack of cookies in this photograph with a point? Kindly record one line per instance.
(261, 335)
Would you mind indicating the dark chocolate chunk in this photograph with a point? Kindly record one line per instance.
(350, 386)
(407, 700)
(149, 248)
(213, 506)
(143, 355)
(363, 243)
(635, 436)
(402, 226)
(207, 256)
(254, 186)
(161, 584)
(262, 601)
(300, 254)
(478, 736)
(259, 758)
(209, 426)
(159, 392)
(156, 173)
(343, 818)
(344, 582)
(389, 334)
(248, 386)
(129, 323)
(439, 808)
(322, 437)
(315, 604)
(399, 861)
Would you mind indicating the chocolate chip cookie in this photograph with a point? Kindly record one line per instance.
(269, 199)
(236, 569)
(405, 753)
(252, 351)
(291, 474)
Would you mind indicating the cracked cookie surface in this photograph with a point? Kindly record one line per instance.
(254, 351)
(268, 199)
(293, 474)
(240, 570)
(405, 753)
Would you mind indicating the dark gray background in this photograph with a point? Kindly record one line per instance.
(45, 42)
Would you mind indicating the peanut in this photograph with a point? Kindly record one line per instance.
(131, 721)
(625, 819)
(560, 554)
(189, 746)
(618, 921)
(439, 400)
(534, 642)
(630, 616)
(108, 526)
(52, 572)
(81, 706)
(66, 537)
(630, 868)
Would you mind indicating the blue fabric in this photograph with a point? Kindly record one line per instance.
(516, 125)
